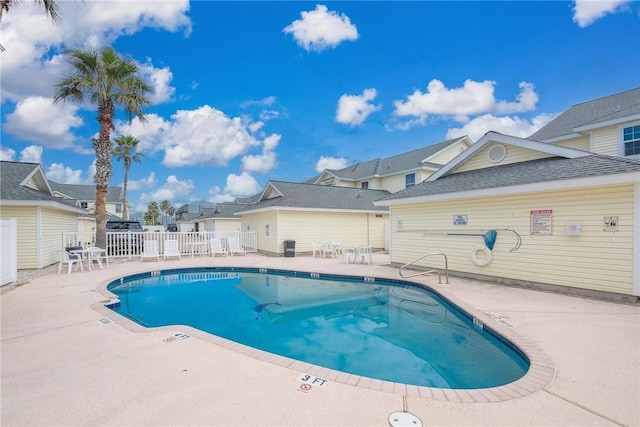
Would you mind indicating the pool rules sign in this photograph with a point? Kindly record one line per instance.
(541, 221)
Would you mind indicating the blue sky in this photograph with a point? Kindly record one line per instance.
(245, 92)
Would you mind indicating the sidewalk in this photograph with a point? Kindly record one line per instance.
(66, 364)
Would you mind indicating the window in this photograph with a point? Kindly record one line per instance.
(364, 185)
(631, 140)
(118, 207)
(84, 205)
(409, 180)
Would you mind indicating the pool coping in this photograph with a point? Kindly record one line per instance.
(540, 373)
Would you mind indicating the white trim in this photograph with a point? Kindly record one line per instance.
(39, 262)
(613, 122)
(282, 208)
(636, 241)
(490, 137)
(40, 203)
(540, 187)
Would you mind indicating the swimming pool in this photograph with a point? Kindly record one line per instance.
(385, 329)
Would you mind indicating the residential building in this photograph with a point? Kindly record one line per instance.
(84, 196)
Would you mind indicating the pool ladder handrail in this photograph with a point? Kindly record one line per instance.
(446, 267)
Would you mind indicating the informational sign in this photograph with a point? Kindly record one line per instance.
(541, 221)
(610, 223)
(459, 220)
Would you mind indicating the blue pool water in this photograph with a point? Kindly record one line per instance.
(383, 329)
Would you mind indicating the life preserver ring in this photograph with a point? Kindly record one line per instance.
(474, 255)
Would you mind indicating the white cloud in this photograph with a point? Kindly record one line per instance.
(142, 184)
(150, 133)
(31, 154)
(158, 79)
(586, 12)
(64, 175)
(335, 163)
(354, 109)
(265, 162)
(321, 29)
(514, 126)
(173, 190)
(473, 98)
(216, 196)
(26, 122)
(32, 63)
(242, 185)
(7, 154)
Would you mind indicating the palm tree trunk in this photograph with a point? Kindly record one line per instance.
(125, 208)
(102, 146)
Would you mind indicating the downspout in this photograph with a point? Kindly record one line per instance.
(636, 240)
(39, 237)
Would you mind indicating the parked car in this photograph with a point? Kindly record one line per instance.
(124, 237)
(172, 227)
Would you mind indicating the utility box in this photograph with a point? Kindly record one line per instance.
(289, 248)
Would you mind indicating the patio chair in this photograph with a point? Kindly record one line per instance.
(348, 255)
(328, 248)
(235, 247)
(98, 254)
(215, 245)
(364, 253)
(70, 260)
(317, 249)
(171, 249)
(150, 250)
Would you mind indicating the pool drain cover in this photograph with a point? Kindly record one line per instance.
(404, 419)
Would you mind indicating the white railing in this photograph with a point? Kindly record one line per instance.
(129, 244)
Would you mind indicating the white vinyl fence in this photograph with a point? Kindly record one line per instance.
(128, 244)
(9, 251)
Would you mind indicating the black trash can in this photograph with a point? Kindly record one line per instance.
(289, 248)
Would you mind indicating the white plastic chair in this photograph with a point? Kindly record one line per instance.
(317, 249)
(97, 254)
(364, 253)
(171, 249)
(348, 255)
(70, 260)
(328, 249)
(215, 245)
(150, 250)
(235, 247)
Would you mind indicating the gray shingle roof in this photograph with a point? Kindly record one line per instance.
(86, 193)
(394, 164)
(12, 174)
(529, 172)
(225, 210)
(617, 106)
(313, 196)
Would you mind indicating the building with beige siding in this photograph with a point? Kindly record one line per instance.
(306, 213)
(41, 218)
(84, 196)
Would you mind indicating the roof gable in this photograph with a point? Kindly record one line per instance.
(495, 137)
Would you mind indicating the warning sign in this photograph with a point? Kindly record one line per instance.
(541, 221)
(309, 382)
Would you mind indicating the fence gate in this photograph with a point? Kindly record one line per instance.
(9, 251)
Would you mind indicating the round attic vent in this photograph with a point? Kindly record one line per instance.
(496, 153)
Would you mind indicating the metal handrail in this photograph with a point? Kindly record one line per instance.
(446, 267)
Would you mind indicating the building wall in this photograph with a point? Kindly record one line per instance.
(52, 225)
(222, 225)
(595, 260)
(581, 143)
(27, 236)
(606, 141)
(39, 233)
(514, 155)
(305, 227)
(445, 156)
(395, 183)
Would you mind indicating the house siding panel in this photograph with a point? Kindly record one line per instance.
(605, 141)
(514, 155)
(581, 143)
(445, 156)
(27, 237)
(596, 259)
(53, 224)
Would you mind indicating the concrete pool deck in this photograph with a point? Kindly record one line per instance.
(63, 364)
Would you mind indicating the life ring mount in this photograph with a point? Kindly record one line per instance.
(480, 261)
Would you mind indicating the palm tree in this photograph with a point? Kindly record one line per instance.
(153, 213)
(164, 207)
(50, 7)
(107, 80)
(125, 145)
